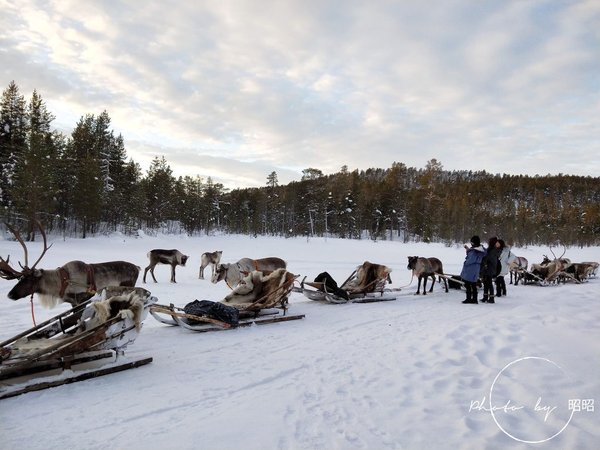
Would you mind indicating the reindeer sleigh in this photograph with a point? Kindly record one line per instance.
(365, 285)
(84, 342)
(257, 299)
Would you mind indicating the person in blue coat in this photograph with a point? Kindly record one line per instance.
(471, 268)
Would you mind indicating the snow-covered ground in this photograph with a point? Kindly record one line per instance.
(413, 373)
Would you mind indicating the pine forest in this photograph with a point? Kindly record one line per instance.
(85, 184)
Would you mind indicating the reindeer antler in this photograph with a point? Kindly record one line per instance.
(20, 239)
(563, 253)
(46, 246)
(26, 253)
(7, 272)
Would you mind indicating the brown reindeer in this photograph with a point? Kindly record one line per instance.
(579, 271)
(549, 270)
(159, 256)
(212, 258)
(72, 283)
(425, 268)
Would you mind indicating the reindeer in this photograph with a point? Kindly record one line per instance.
(73, 283)
(516, 267)
(425, 268)
(172, 257)
(234, 273)
(592, 268)
(549, 270)
(212, 258)
(579, 271)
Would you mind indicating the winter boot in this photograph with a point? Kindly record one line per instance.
(491, 299)
(471, 299)
(484, 299)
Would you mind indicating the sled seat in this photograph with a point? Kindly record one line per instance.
(256, 300)
(262, 290)
(99, 328)
(366, 284)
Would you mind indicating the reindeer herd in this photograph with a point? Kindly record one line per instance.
(556, 270)
(76, 281)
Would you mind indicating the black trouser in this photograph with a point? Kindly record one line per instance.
(500, 286)
(488, 287)
(471, 287)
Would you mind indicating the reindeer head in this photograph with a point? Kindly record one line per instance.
(29, 277)
(412, 262)
(220, 273)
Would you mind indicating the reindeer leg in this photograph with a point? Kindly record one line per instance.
(152, 273)
(432, 283)
(418, 286)
(443, 279)
(145, 272)
(425, 284)
(173, 273)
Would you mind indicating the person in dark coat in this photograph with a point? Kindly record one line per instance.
(490, 268)
(471, 268)
(506, 257)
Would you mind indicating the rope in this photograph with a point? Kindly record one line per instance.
(32, 311)
(450, 278)
(410, 282)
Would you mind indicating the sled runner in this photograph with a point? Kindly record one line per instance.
(365, 285)
(254, 301)
(84, 342)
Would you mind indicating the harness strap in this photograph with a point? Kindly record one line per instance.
(64, 281)
(90, 280)
(32, 311)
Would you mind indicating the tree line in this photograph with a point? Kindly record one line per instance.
(85, 184)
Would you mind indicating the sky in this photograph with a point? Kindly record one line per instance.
(236, 89)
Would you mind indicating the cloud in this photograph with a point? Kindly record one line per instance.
(502, 86)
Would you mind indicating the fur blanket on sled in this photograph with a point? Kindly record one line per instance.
(127, 306)
(367, 277)
(266, 287)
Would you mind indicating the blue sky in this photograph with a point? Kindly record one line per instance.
(237, 89)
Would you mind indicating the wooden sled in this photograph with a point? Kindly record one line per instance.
(259, 311)
(358, 287)
(82, 343)
(173, 315)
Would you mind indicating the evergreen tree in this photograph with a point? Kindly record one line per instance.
(83, 157)
(34, 185)
(213, 204)
(115, 184)
(159, 185)
(133, 197)
(13, 140)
